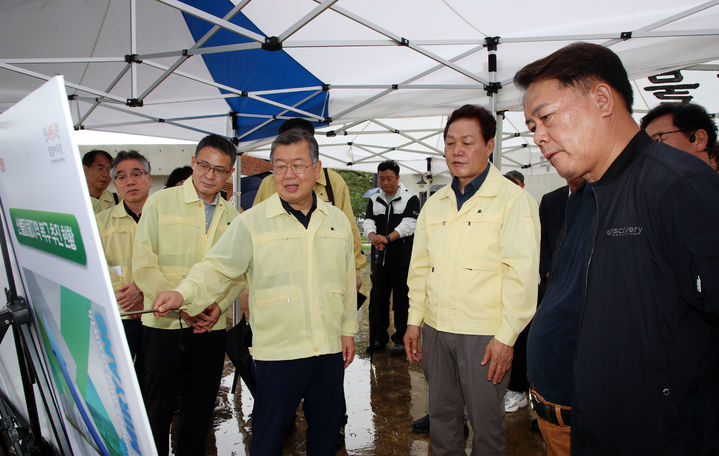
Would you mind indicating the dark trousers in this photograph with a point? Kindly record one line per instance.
(181, 364)
(386, 280)
(280, 387)
(133, 334)
(518, 380)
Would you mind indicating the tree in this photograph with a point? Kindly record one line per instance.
(358, 183)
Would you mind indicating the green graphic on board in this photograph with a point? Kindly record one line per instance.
(52, 232)
(75, 329)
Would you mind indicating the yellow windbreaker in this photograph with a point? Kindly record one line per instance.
(117, 231)
(106, 201)
(342, 201)
(476, 271)
(302, 283)
(170, 239)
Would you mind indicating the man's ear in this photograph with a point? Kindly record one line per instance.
(603, 96)
(700, 140)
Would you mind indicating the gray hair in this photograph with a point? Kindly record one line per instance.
(130, 155)
(294, 136)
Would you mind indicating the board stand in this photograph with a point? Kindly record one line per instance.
(25, 437)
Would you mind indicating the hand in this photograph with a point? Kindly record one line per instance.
(129, 298)
(499, 357)
(358, 282)
(165, 302)
(208, 318)
(379, 242)
(411, 343)
(348, 349)
(193, 322)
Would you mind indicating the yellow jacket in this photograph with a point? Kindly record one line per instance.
(106, 201)
(170, 239)
(342, 202)
(476, 271)
(117, 231)
(302, 283)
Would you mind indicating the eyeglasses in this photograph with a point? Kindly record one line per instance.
(298, 169)
(659, 137)
(123, 177)
(205, 168)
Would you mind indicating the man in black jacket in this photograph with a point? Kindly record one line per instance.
(625, 346)
(389, 224)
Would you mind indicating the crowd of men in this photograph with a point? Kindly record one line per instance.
(622, 354)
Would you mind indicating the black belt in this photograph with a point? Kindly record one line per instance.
(549, 412)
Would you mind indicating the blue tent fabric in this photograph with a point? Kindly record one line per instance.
(255, 69)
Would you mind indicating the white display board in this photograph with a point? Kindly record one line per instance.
(56, 244)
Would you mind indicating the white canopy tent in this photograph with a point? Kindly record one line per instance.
(392, 69)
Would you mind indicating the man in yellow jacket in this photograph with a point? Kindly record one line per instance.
(184, 354)
(97, 164)
(329, 187)
(297, 253)
(473, 283)
(117, 225)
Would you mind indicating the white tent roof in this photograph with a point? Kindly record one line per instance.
(392, 68)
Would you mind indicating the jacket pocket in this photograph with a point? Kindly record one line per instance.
(333, 308)
(704, 275)
(278, 317)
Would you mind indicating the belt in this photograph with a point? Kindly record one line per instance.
(549, 411)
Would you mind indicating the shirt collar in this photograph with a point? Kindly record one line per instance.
(471, 188)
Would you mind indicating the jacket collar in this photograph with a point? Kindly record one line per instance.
(273, 206)
(640, 141)
(490, 187)
(190, 193)
(401, 190)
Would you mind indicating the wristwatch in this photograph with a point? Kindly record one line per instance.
(388, 239)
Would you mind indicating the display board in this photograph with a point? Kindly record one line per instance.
(57, 247)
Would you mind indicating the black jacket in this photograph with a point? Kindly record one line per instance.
(383, 218)
(552, 210)
(646, 373)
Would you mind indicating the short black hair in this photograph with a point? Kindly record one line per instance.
(89, 158)
(515, 175)
(486, 120)
(220, 143)
(297, 122)
(388, 165)
(687, 117)
(177, 175)
(130, 155)
(579, 65)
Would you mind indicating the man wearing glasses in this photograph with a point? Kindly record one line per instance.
(184, 354)
(117, 225)
(297, 253)
(96, 165)
(685, 126)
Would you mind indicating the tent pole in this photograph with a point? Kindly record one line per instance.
(498, 141)
(492, 88)
(133, 47)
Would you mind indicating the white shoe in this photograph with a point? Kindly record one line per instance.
(514, 400)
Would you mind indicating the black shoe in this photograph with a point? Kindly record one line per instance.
(397, 350)
(421, 426)
(341, 438)
(374, 348)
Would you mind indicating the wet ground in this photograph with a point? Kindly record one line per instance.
(384, 395)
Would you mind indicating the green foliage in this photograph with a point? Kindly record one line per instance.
(358, 182)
